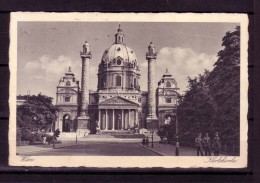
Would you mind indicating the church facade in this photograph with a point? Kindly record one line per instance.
(118, 103)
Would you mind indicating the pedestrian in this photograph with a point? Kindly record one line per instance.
(44, 140)
(198, 144)
(143, 141)
(216, 144)
(147, 142)
(206, 145)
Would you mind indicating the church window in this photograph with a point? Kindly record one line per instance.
(139, 100)
(168, 84)
(135, 82)
(168, 100)
(67, 99)
(118, 62)
(68, 83)
(118, 80)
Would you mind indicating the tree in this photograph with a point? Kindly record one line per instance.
(212, 102)
(224, 84)
(196, 110)
(35, 115)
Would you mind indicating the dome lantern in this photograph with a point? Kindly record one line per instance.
(119, 36)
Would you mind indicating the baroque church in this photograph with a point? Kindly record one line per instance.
(118, 103)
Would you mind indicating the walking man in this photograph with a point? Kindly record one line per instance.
(206, 144)
(147, 142)
(198, 144)
(143, 141)
(216, 144)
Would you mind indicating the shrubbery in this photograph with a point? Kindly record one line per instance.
(32, 137)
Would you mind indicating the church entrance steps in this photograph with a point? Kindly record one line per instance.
(113, 137)
(116, 132)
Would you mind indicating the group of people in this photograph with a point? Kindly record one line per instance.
(207, 145)
(145, 142)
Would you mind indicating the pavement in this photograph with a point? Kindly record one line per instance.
(105, 148)
(31, 149)
(169, 150)
(96, 149)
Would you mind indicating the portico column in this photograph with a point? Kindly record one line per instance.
(99, 119)
(122, 119)
(106, 121)
(128, 119)
(113, 120)
(136, 117)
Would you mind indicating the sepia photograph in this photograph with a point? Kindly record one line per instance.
(128, 90)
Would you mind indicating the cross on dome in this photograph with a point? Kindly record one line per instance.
(119, 28)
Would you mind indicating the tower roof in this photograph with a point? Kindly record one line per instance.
(69, 72)
(166, 74)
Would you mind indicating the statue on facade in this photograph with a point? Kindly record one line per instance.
(98, 127)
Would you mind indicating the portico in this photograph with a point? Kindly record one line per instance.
(117, 113)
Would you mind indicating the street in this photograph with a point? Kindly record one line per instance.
(99, 149)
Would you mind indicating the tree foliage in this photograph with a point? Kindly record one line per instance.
(212, 101)
(36, 114)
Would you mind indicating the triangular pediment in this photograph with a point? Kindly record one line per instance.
(118, 101)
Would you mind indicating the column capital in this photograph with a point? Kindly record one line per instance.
(151, 57)
(86, 55)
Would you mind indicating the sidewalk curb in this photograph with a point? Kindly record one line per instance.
(67, 146)
(152, 150)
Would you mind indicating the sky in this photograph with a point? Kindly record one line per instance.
(46, 50)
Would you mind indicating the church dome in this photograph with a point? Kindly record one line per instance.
(119, 54)
(118, 69)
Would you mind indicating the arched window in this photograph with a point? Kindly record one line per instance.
(118, 62)
(168, 84)
(118, 80)
(135, 82)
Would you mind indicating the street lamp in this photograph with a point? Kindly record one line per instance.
(76, 137)
(152, 138)
(177, 132)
